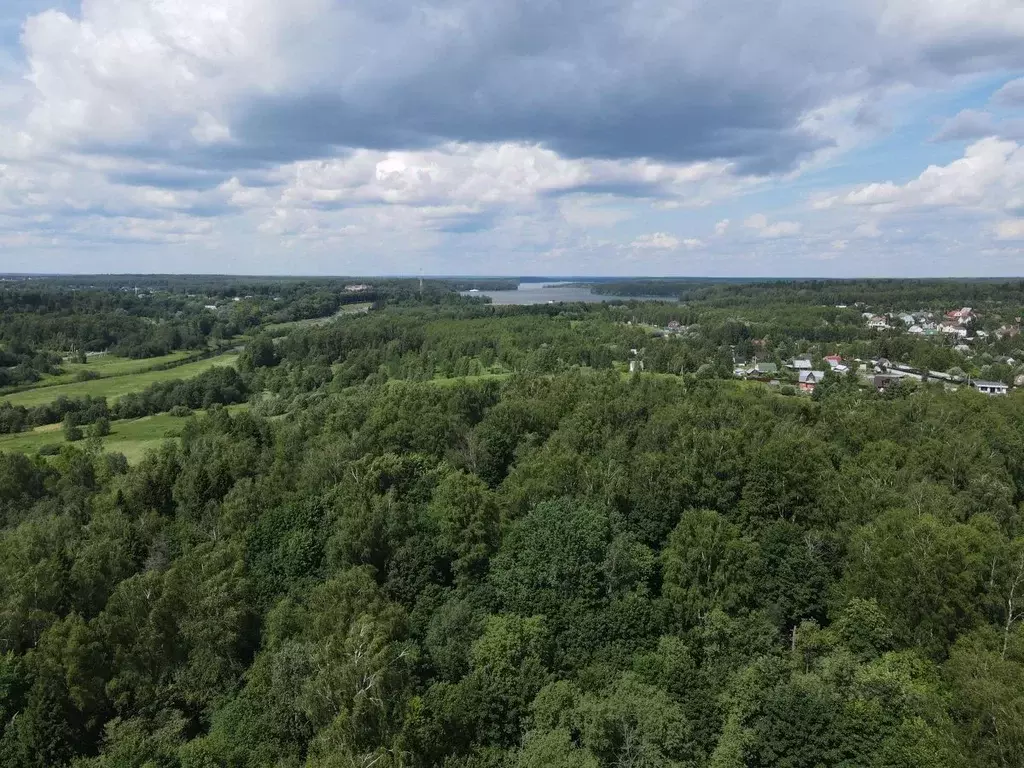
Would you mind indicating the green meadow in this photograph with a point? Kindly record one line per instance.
(132, 437)
(115, 385)
(103, 366)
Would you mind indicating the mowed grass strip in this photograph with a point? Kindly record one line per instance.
(112, 365)
(132, 437)
(277, 329)
(115, 386)
(108, 365)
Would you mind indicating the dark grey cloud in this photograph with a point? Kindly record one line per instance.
(170, 178)
(650, 78)
(604, 80)
(664, 80)
(966, 125)
(465, 223)
(973, 124)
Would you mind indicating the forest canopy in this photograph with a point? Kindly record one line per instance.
(446, 535)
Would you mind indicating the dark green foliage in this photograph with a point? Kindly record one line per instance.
(462, 540)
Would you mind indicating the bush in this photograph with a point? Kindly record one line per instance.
(50, 449)
(72, 432)
(86, 376)
(181, 411)
(100, 427)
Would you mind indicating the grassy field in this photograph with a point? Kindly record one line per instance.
(132, 438)
(104, 366)
(277, 329)
(115, 386)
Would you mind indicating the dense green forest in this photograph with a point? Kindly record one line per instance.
(447, 534)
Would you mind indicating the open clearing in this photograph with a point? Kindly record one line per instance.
(104, 366)
(115, 386)
(132, 437)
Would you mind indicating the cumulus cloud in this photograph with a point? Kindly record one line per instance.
(318, 120)
(651, 78)
(759, 222)
(988, 173)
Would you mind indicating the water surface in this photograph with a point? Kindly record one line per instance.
(546, 293)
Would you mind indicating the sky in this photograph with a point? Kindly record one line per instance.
(513, 137)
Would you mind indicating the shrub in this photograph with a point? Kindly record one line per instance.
(72, 432)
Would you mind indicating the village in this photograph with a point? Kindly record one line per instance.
(961, 325)
(963, 330)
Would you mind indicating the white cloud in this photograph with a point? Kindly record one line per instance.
(1011, 229)
(658, 241)
(989, 171)
(318, 122)
(759, 222)
(868, 229)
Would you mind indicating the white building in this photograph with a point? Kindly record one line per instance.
(878, 323)
(991, 387)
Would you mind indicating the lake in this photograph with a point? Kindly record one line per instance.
(544, 293)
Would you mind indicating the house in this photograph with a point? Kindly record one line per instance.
(953, 330)
(907, 319)
(835, 362)
(357, 288)
(915, 329)
(990, 387)
(810, 379)
(878, 322)
(959, 316)
(765, 369)
(799, 365)
(963, 349)
(883, 381)
(635, 366)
